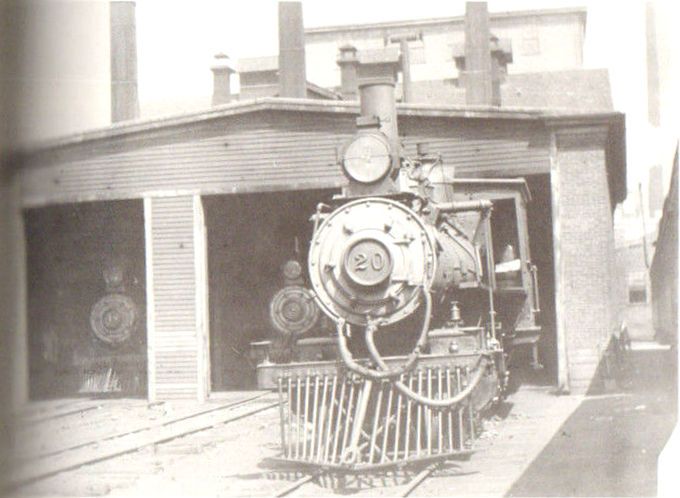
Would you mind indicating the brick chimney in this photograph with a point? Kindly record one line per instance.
(347, 60)
(403, 41)
(222, 70)
(124, 98)
(501, 56)
(476, 80)
(478, 87)
(292, 73)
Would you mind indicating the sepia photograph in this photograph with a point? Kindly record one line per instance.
(329, 248)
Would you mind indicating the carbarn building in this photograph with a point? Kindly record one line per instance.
(190, 217)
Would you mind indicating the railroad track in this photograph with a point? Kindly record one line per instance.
(51, 463)
(404, 490)
(156, 454)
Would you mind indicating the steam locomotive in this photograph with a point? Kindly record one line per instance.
(395, 340)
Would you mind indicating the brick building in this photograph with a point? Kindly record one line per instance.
(181, 202)
(664, 269)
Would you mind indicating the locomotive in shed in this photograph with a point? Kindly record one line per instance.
(418, 287)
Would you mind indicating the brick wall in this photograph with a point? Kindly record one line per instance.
(587, 296)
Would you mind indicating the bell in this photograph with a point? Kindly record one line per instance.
(508, 254)
(508, 268)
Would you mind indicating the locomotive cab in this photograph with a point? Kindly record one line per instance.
(516, 277)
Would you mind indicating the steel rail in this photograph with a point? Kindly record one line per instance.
(41, 469)
(419, 479)
(143, 428)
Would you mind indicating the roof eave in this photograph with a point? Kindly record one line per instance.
(580, 11)
(551, 117)
(289, 104)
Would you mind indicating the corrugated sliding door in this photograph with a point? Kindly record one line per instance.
(176, 297)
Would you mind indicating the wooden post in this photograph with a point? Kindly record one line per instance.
(15, 285)
(150, 305)
(202, 315)
(560, 323)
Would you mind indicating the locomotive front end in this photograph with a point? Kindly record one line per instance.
(408, 350)
(370, 259)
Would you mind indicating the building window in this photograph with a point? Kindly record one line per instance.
(637, 295)
(637, 288)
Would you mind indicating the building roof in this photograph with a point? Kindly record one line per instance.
(577, 90)
(257, 64)
(314, 105)
(184, 123)
(493, 16)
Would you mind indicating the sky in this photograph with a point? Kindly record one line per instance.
(66, 78)
(167, 34)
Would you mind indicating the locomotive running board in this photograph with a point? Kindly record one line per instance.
(344, 422)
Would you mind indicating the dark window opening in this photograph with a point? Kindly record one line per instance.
(637, 295)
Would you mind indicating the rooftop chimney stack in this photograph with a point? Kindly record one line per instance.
(222, 70)
(501, 56)
(478, 85)
(292, 74)
(124, 99)
(403, 41)
(347, 60)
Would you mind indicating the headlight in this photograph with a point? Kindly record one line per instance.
(367, 158)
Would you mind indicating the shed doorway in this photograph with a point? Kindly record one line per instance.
(86, 300)
(539, 214)
(250, 237)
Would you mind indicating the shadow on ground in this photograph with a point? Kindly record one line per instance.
(611, 443)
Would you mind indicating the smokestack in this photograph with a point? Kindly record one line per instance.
(222, 70)
(478, 86)
(124, 99)
(292, 74)
(377, 76)
(347, 60)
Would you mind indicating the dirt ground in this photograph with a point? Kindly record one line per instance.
(537, 444)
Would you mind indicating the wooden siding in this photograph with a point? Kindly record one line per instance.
(482, 148)
(267, 151)
(175, 323)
